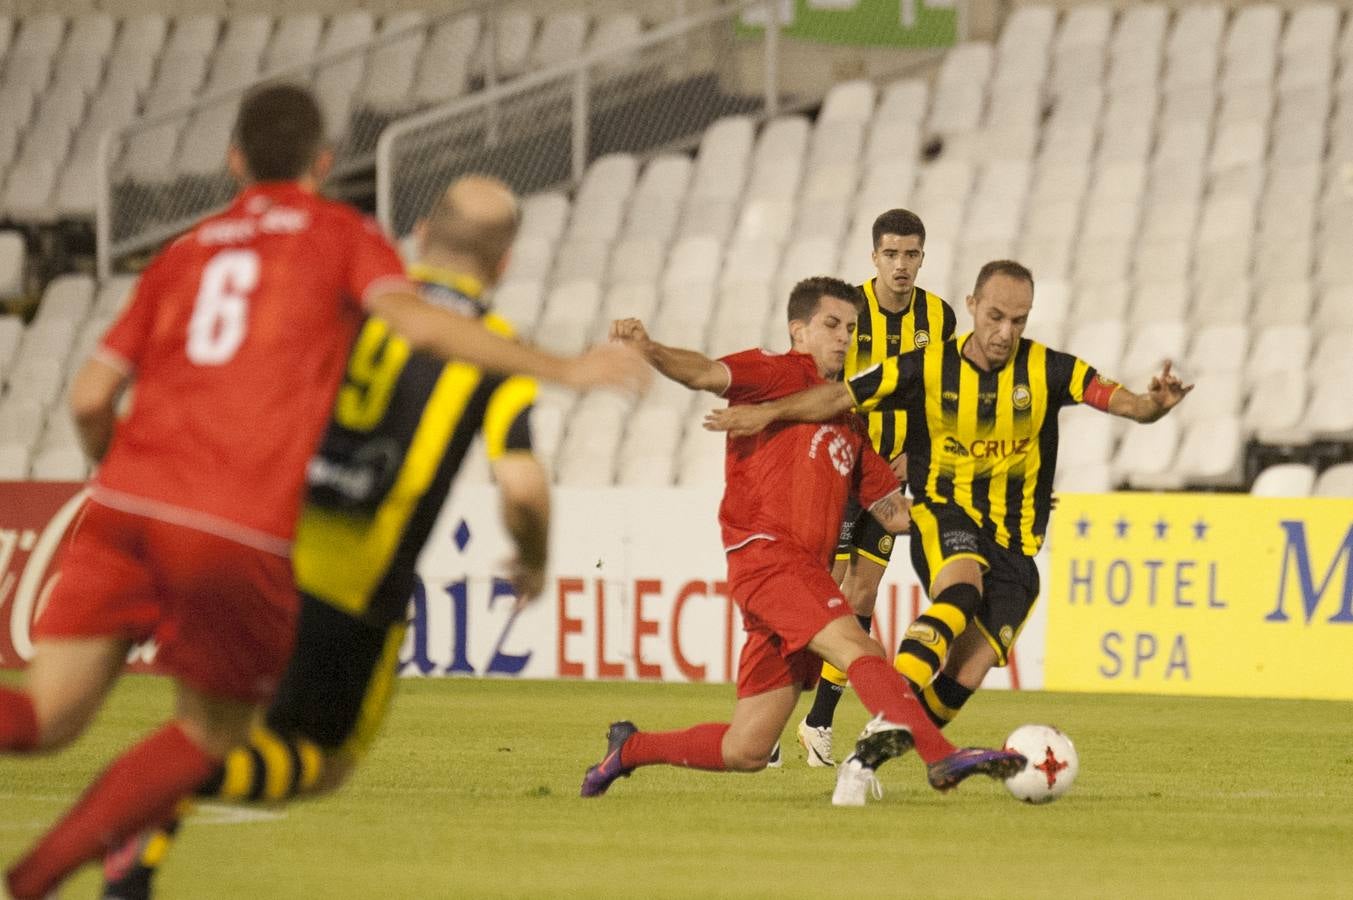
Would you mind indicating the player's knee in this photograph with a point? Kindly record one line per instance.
(862, 645)
(58, 728)
(57, 734)
(744, 758)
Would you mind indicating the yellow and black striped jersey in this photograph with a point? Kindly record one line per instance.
(401, 426)
(983, 441)
(881, 334)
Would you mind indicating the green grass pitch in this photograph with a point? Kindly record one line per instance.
(472, 792)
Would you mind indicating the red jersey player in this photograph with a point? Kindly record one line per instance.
(237, 337)
(779, 550)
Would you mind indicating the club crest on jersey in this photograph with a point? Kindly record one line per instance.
(886, 544)
(1023, 398)
(1007, 635)
(921, 339)
(839, 450)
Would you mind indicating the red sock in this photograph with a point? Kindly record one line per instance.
(141, 787)
(18, 722)
(882, 690)
(698, 747)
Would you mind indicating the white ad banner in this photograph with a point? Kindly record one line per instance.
(636, 590)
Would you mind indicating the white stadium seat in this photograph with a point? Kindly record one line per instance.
(515, 33)
(1284, 480)
(561, 39)
(13, 262)
(1212, 453)
(1275, 407)
(648, 450)
(1329, 416)
(59, 464)
(544, 216)
(531, 257)
(1218, 348)
(632, 300)
(1151, 344)
(296, 40)
(444, 68)
(1214, 393)
(1088, 478)
(1278, 348)
(1146, 455)
(520, 301)
(1086, 437)
(21, 419)
(388, 86)
(1336, 481)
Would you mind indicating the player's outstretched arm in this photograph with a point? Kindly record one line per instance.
(817, 404)
(1162, 395)
(893, 512)
(686, 367)
(453, 336)
(93, 398)
(525, 491)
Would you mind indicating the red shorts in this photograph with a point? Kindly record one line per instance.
(786, 598)
(223, 615)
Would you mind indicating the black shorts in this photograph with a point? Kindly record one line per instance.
(1010, 583)
(338, 684)
(862, 534)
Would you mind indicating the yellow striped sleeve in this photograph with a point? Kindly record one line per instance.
(876, 387)
(509, 401)
(1079, 372)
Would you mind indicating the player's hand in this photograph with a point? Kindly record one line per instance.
(629, 331)
(528, 582)
(899, 466)
(738, 421)
(610, 365)
(1166, 390)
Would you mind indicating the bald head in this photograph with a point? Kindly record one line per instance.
(473, 223)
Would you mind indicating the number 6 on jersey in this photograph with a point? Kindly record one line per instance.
(221, 311)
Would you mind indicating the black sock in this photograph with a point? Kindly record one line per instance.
(824, 704)
(943, 698)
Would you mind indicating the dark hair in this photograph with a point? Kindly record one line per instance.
(1006, 267)
(804, 298)
(900, 222)
(280, 130)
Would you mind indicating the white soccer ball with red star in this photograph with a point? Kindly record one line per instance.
(1052, 765)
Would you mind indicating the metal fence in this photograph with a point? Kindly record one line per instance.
(166, 170)
(542, 130)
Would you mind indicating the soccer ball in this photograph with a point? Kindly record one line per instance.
(1052, 765)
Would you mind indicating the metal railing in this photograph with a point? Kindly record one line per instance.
(543, 129)
(163, 172)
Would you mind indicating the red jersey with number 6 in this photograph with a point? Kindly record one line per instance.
(236, 338)
(789, 483)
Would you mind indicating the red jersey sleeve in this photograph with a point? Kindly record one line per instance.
(126, 340)
(876, 476)
(374, 264)
(755, 375)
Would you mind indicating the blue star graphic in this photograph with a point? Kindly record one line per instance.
(1082, 527)
(1161, 528)
(1200, 530)
(1121, 527)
